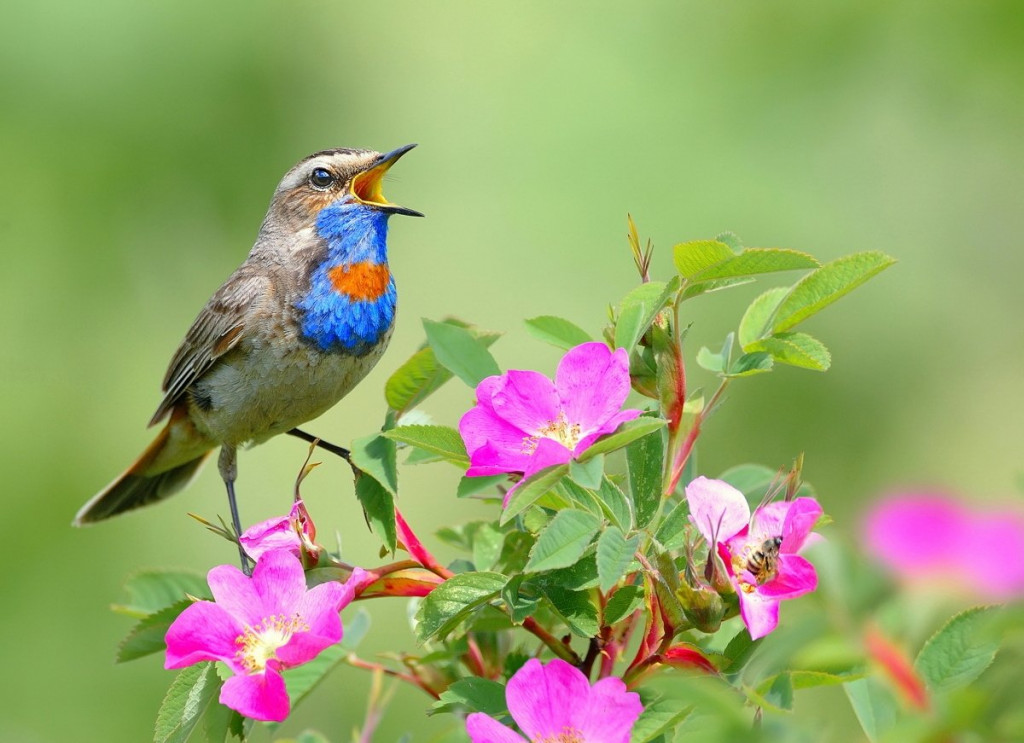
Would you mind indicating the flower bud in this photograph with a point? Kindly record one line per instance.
(703, 607)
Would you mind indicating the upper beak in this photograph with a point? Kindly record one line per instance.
(367, 187)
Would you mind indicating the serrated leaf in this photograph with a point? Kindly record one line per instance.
(671, 534)
(713, 361)
(824, 286)
(874, 706)
(487, 544)
(691, 258)
(622, 603)
(644, 458)
(379, 509)
(659, 717)
(562, 541)
(150, 591)
(615, 504)
(557, 331)
(521, 596)
(638, 309)
(795, 349)
(576, 609)
(531, 489)
(707, 287)
(474, 694)
(454, 600)
(147, 636)
(576, 577)
(624, 435)
(614, 554)
(193, 692)
(756, 322)
(377, 457)
(738, 652)
(749, 364)
(460, 352)
(469, 486)
(754, 261)
(960, 651)
(443, 441)
(579, 496)
(588, 474)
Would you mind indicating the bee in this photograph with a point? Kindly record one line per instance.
(763, 563)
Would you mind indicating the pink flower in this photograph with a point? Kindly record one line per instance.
(291, 533)
(259, 626)
(524, 422)
(925, 537)
(760, 552)
(556, 703)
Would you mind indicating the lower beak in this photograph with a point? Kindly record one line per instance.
(368, 189)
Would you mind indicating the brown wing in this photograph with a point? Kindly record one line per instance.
(215, 331)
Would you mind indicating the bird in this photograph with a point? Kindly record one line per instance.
(297, 325)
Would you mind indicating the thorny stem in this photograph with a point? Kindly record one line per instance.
(417, 550)
(559, 648)
(353, 660)
(474, 659)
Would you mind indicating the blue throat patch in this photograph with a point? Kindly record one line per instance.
(333, 317)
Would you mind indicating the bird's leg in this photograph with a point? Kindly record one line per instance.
(228, 465)
(325, 445)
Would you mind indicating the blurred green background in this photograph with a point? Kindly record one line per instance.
(141, 142)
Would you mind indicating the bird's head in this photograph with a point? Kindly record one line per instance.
(346, 178)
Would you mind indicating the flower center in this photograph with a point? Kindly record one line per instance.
(565, 433)
(568, 735)
(258, 644)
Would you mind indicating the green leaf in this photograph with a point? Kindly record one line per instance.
(751, 363)
(377, 457)
(824, 286)
(658, 717)
(706, 287)
(623, 602)
(460, 352)
(644, 463)
(579, 496)
(691, 258)
(756, 322)
(625, 434)
(874, 706)
(614, 554)
(738, 652)
(147, 636)
(454, 600)
(557, 331)
(795, 349)
(521, 596)
(754, 261)
(638, 309)
(671, 534)
(588, 474)
(576, 609)
(562, 541)
(149, 591)
(472, 485)
(576, 577)
(531, 489)
(474, 694)
(193, 693)
(443, 441)
(716, 362)
(487, 544)
(379, 509)
(615, 504)
(960, 651)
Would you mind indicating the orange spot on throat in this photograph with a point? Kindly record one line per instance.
(360, 281)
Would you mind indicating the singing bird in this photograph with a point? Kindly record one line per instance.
(289, 333)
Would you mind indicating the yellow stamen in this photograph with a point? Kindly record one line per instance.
(259, 643)
(568, 735)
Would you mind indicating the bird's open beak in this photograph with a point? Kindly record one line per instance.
(367, 187)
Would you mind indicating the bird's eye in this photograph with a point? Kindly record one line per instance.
(321, 178)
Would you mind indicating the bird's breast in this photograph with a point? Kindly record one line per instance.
(349, 307)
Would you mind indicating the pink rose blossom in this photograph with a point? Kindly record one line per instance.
(524, 422)
(260, 626)
(556, 703)
(290, 533)
(760, 552)
(926, 537)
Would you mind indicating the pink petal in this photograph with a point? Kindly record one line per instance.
(204, 631)
(541, 698)
(486, 389)
(993, 556)
(592, 383)
(272, 534)
(548, 452)
(760, 613)
(801, 517)
(279, 581)
(493, 441)
(717, 508)
(235, 594)
(610, 712)
(261, 696)
(608, 427)
(918, 534)
(767, 521)
(528, 400)
(796, 577)
(484, 729)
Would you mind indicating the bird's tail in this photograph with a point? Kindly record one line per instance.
(165, 467)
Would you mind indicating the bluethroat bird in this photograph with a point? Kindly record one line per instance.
(289, 333)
